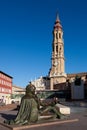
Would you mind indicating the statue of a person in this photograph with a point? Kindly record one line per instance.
(77, 80)
(28, 111)
(30, 108)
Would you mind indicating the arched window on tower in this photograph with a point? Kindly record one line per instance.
(60, 48)
(59, 35)
(56, 35)
(57, 48)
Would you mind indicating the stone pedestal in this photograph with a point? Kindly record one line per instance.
(63, 109)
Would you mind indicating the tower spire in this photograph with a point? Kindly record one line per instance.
(57, 17)
(57, 24)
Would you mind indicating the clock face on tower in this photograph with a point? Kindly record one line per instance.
(56, 63)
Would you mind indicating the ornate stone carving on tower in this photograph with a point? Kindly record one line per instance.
(57, 72)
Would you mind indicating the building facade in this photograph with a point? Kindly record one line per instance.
(5, 87)
(41, 83)
(17, 94)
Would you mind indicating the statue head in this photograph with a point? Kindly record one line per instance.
(30, 88)
(77, 80)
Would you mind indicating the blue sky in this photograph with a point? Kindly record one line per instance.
(26, 37)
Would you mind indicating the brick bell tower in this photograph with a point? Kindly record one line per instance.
(57, 72)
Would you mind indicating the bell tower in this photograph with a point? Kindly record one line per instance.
(57, 71)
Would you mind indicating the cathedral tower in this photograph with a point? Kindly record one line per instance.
(57, 71)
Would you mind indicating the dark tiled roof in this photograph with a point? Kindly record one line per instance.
(47, 78)
(74, 74)
(6, 74)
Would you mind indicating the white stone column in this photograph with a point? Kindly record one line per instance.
(51, 83)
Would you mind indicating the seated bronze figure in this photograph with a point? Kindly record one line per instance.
(29, 110)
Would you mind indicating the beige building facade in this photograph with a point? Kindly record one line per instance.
(42, 83)
(17, 93)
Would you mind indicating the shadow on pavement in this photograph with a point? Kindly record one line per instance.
(8, 116)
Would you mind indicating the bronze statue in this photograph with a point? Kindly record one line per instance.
(30, 108)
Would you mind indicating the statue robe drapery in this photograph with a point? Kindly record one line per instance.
(28, 112)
